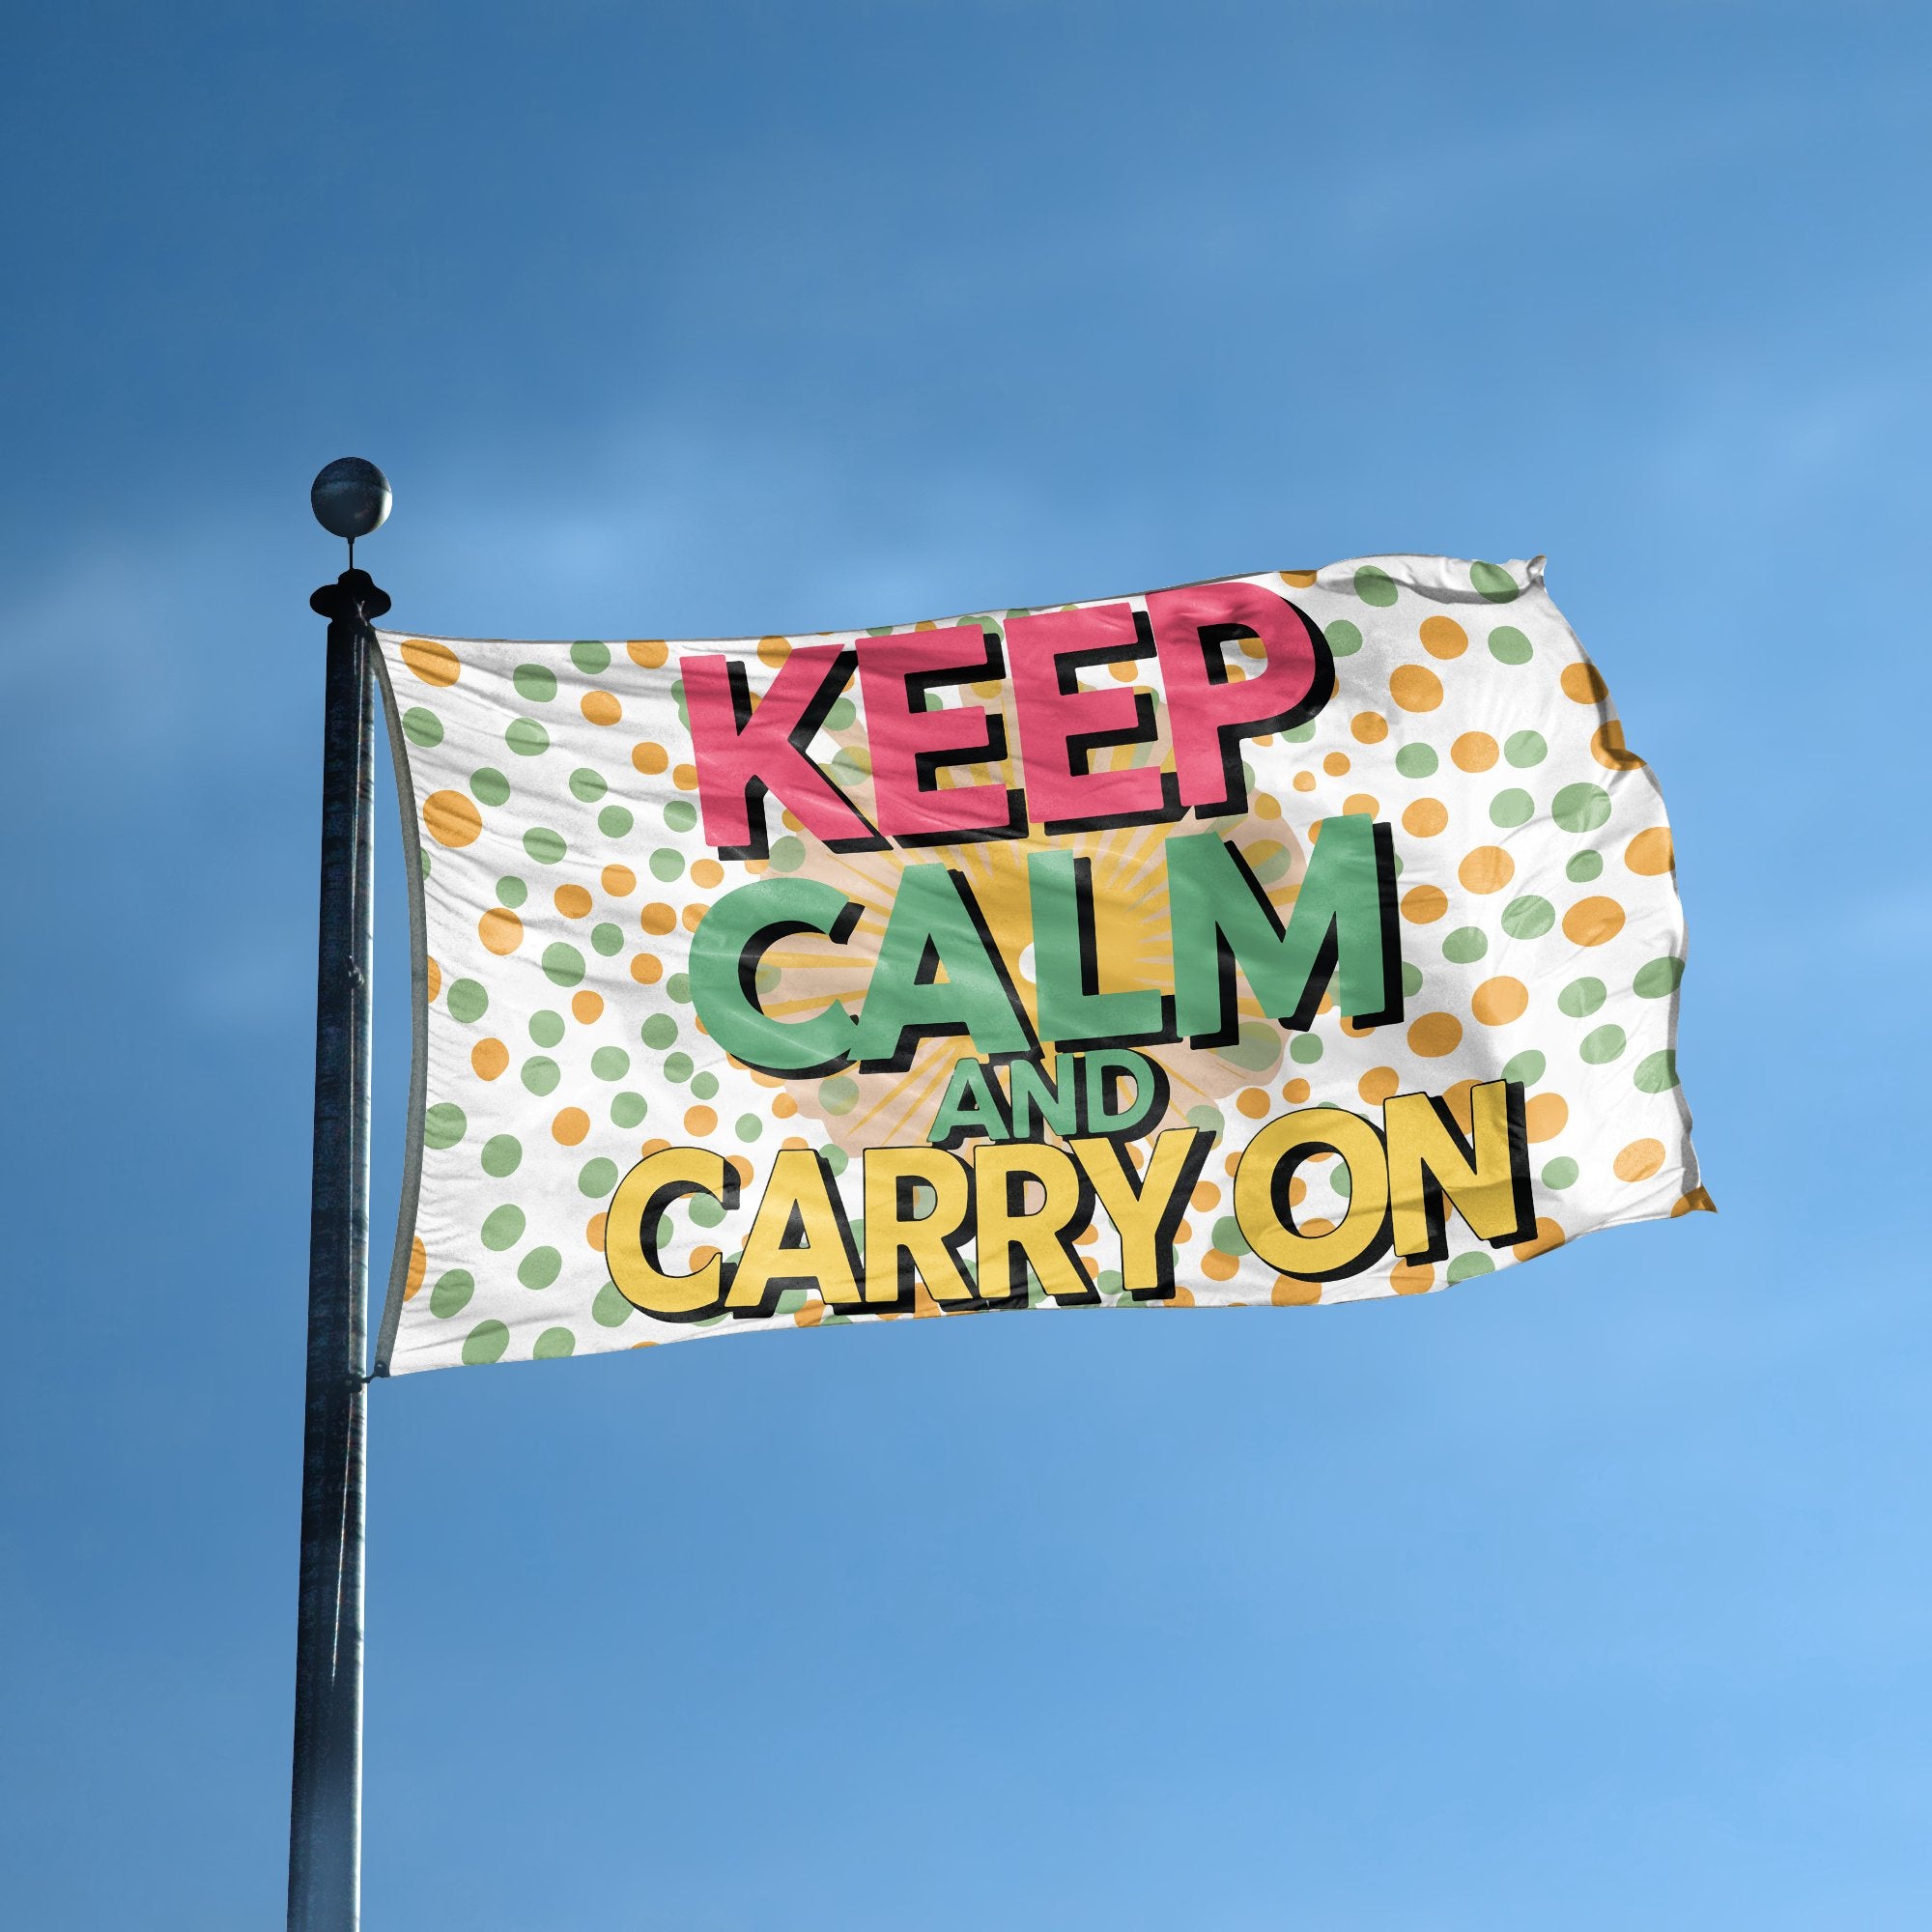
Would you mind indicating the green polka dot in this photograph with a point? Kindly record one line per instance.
(1508, 646)
(614, 822)
(1513, 807)
(1375, 585)
(591, 656)
(610, 1310)
(1417, 761)
(536, 684)
(451, 1293)
(836, 1159)
(1581, 808)
(444, 1124)
(677, 1067)
(485, 1343)
(749, 1126)
(539, 1268)
(841, 716)
(667, 865)
(1306, 1049)
(562, 964)
(659, 1031)
(525, 737)
(422, 727)
(1205, 1120)
(1467, 943)
(1255, 1049)
(1526, 1068)
(1341, 1180)
(1528, 918)
(1300, 734)
(1583, 866)
(546, 1027)
(1656, 1072)
(787, 855)
(838, 1094)
(1227, 1235)
(628, 1110)
(1523, 749)
(678, 987)
(466, 1001)
(540, 1075)
(588, 786)
(1561, 1173)
(610, 1062)
(1581, 998)
(502, 1154)
(553, 1344)
(706, 1212)
(490, 786)
(1658, 979)
(597, 1178)
(680, 814)
(543, 846)
(1411, 980)
(1465, 1266)
(511, 892)
(704, 1087)
(1493, 582)
(1602, 1045)
(504, 1228)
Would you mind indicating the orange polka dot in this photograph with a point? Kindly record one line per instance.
(488, 1058)
(1424, 818)
(1696, 1202)
(1182, 1232)
(1585, 683)
(1434, 1035)
(685, 777)
(1317, 1226)
(619, 881)
(1489, 869)
(1638, 1161)
(650, 1148)
(1424, 905)
(572, 901)
(1354, 1029)
(1474, 752)
(1545, 1116)
(1218, 1267)
(657, 917)
(1370, 727)
(570, 1127)
(646, 969)
(1267, 805)
(649, 758)
(809, 1314)
(432, 977)
(700, 1121)
(1650, 852)
(450, 818)
(1497, 1001)
(1549, 1234)
(1591, 921)
(1361, 804)
(773, 652)
(1443, 638)
(1304, 781)
(648, 652)
(707, 872)
(1607, 748)
(419, 1267)
(1254, 1102)
(1411, 1277)
(1415, 688)
(742, 1168)
(1378, 1084)
(1288, 1293)
(692, 913)
(1298, 1191)
(1335, 765)
(783, 1106)
(587, 1007)
(1300, 580)
(1204, 1196)
(431, 662)
(500, 929)
(593, 1230)
(600, 707)
(1294, 1092)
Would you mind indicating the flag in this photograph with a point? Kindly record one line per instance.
(1284, 939)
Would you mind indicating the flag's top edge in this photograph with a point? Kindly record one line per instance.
(1412, 570)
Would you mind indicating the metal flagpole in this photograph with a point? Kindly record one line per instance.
(350, 497)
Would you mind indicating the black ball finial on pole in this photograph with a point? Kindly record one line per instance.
(350, 497)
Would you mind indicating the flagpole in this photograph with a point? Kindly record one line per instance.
(351, 499)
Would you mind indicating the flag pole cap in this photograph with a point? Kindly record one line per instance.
(350, 497)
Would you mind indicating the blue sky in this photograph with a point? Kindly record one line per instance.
(1591, 1595)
